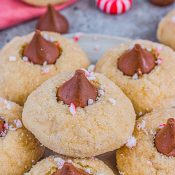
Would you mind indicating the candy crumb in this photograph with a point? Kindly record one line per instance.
(131, 142)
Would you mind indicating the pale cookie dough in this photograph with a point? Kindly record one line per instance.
(100, 127)
(19, 148)
(166, 30)
(44, 2)
(49, 165)
(149, 90)
(19, 77)
(143, 158)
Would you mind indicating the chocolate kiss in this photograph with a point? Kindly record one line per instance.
(53, 21)
(69, 169)
(165, 139)
(162, 2)
(40, 50)
(137, 60)
(78, 90)
(2, 127)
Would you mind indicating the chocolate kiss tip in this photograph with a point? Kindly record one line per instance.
(136, 60)
(165, 139)
(78, 90)
(39, 50)
(69, 169)
(53, 21)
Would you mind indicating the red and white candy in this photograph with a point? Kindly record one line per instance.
(114, 6)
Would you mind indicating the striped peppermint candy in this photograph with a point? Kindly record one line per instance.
(114, 6)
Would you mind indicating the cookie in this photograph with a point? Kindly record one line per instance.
(166, 30)
(153, 151)
(144, 80)
(44, 2)
(26, 62)
(79, 114)
(19, 148)
(54, 164)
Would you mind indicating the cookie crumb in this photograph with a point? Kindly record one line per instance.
(131, 142)
(112, 101)
(12, 58)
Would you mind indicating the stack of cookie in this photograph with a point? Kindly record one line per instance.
(78, 113)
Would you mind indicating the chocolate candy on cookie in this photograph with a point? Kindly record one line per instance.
(19, 148)
(26, 62)
(79, 113)
(143, 70)
(55, 165)
(154, 149)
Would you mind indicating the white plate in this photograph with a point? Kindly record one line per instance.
(95, 45)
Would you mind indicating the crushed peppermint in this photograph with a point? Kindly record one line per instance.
(112, 101)
(24, 58)
(91, 68)
(141, 125)
(12, 58)
(88, 170)
(149, 49)
(131, 142)
(90, 102)
(89, 75)
(101, 92)
(72, 109)
(48, 38)
(159, 61)
(77, 37)
(159, 48)
(45, 69)
(8, 104)
(18, 123)
(162, 125)
(59, 161)
(173, 19)
(135, 76)
(69, 161)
